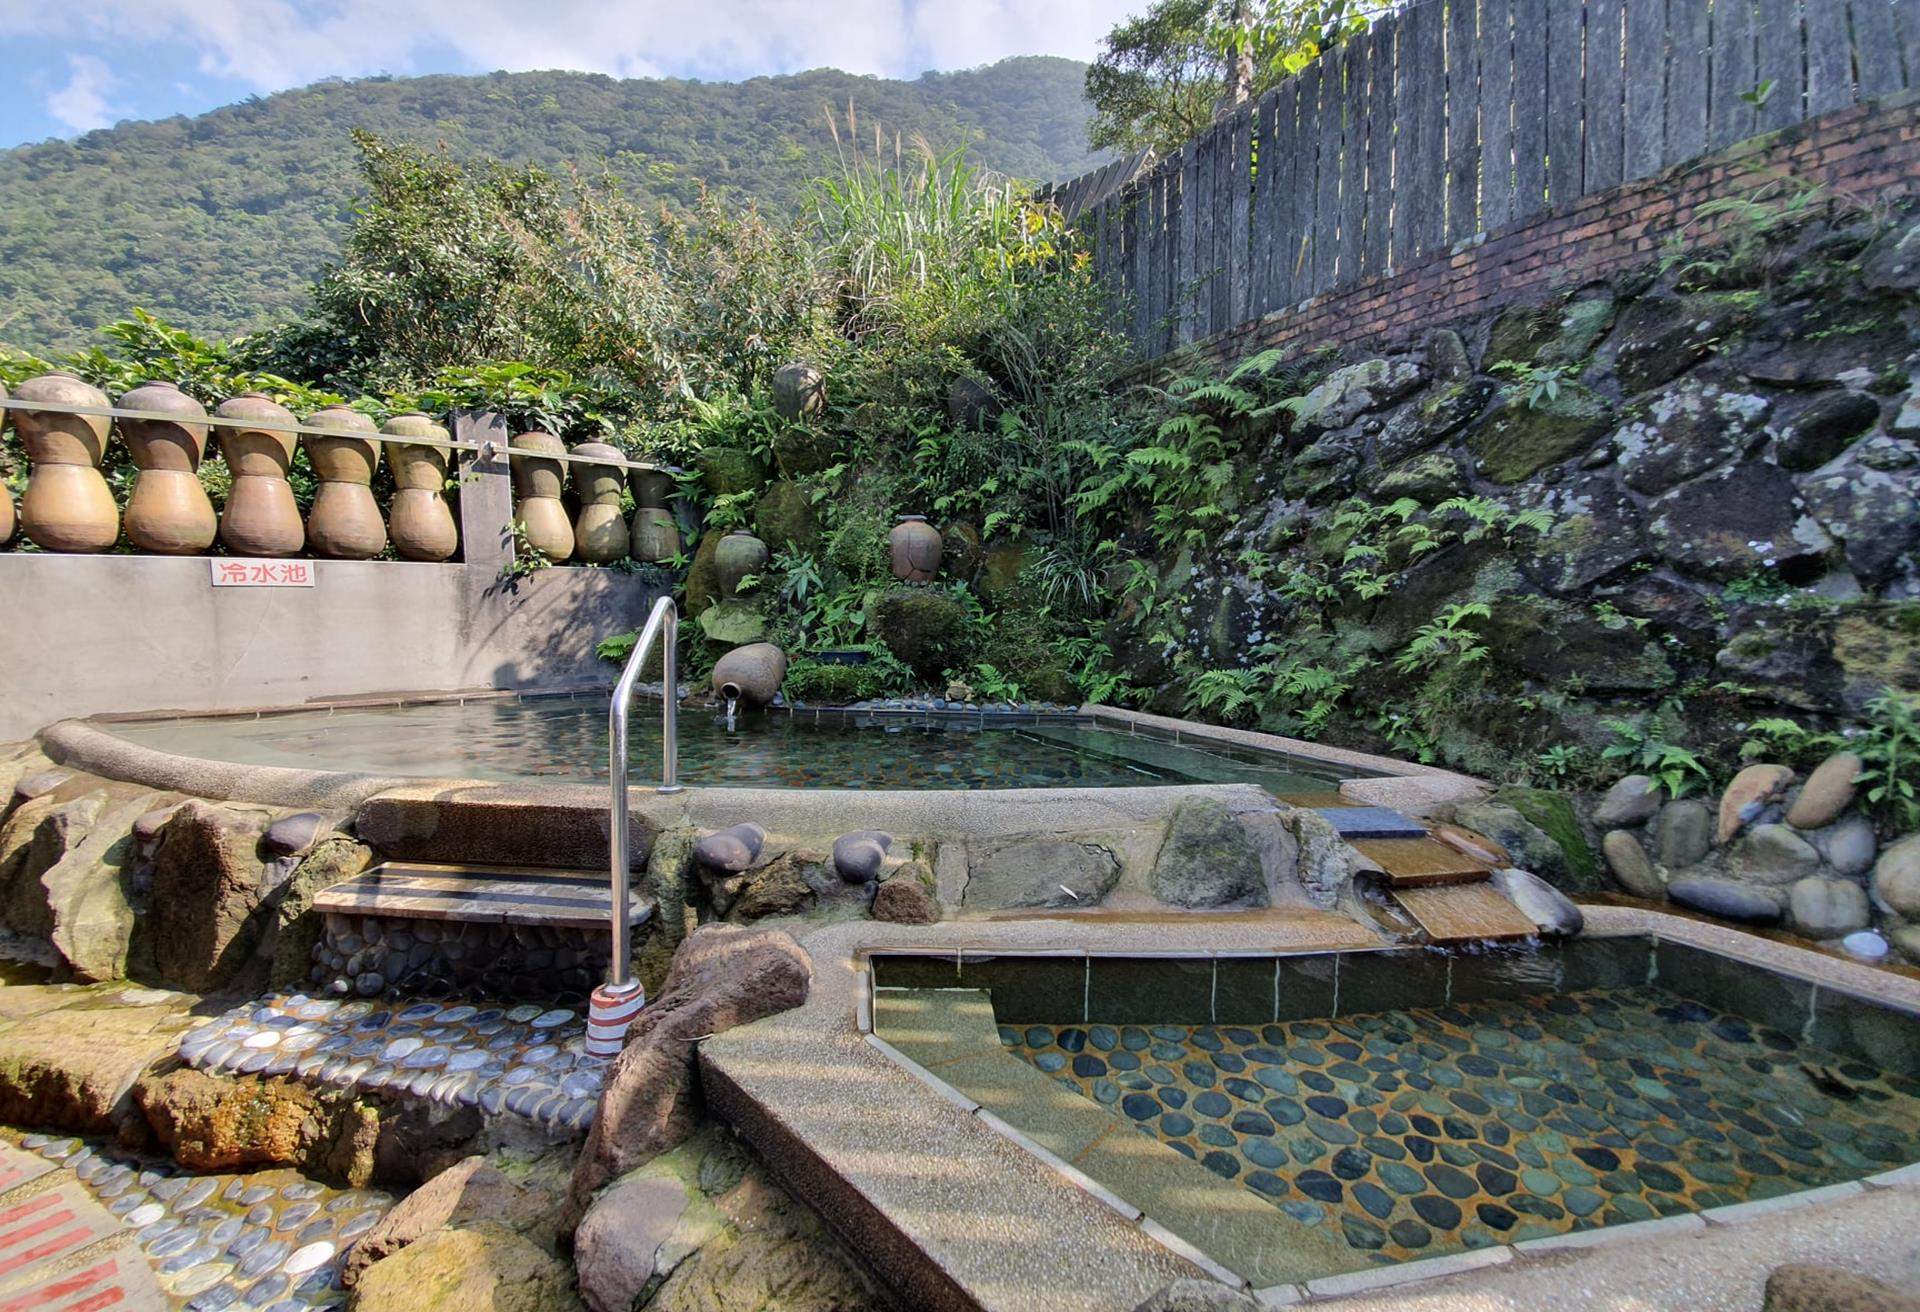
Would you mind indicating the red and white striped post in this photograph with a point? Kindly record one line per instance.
(610, 1014)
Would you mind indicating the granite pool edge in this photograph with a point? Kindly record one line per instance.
(837, 1022)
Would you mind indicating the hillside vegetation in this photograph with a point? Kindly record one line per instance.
(218, 223)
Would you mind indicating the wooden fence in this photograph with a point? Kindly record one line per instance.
(1456, 117)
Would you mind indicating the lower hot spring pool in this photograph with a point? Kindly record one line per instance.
(1391, 1106)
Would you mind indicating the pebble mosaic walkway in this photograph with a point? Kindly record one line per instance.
(270, 1241)
(526, 1060)
(1411, 1134)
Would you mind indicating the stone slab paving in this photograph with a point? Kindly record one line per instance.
(522, 1060)
(60, 1251)
(267, 1240)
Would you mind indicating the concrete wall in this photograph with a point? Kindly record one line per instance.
(85, 635)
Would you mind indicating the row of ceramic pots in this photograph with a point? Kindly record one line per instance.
(68, 506)
(597, 534)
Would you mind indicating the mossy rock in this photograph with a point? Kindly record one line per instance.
(1519, 439)
(1553, 814)
(1557, 332)
(1429, 479)
(733, 623)
(725, 470)
(703, 579)
(801, 451)
(920, 626)
(1000, 568)
(783, 519)
(960, 550)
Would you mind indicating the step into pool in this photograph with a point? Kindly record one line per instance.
(1393, 1106)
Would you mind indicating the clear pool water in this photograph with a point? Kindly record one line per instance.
(566, 738)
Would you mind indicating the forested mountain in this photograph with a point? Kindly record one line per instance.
(218, 222)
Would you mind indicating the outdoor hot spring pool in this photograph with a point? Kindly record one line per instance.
(565, 738)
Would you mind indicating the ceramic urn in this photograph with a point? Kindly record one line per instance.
(67, 506)
(599, 533)
(538, 484)
(421, 520)
(345, 522)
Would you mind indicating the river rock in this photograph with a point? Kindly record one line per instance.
(1807, 1287)
(1684, 833)
(1896, 877)
(859, 856)
(1207, 859)
(1747, 796)
(1866, 945)
(1848, 846)
(721, 976)
(1827, 793)
(904, 899)
(618, 1243)
(484, 1267)
(733, 849)
(1042, 872)
(1627, 859)
(469, 1191)
(1632, 801)
(1552, 912)
(1827, 908)
(1727, 898)
(1774, 854)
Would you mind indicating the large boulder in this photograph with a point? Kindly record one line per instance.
(1596, 530)
(465, 1194)
(1523, 435)
(1327, 862)
(212, 1124)
(1208, 859)
(722, 976)
(728, 471)
(73, 1067)
(206, 903)
(38, 835)
(907, 898)
(1685, 431)
(484, 1267)
(89, 891)
(1827, 426)
(1807, 1287)
(1871, 511)
(296, 925)
(1658, 338)
(1738, 521)
(627, 1242)
(1557, 332)
(923, 627)
(1041, 872)
(783, 519)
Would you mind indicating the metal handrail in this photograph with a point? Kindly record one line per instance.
(663, 622)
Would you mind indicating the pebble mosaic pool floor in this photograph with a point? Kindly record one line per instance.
(527, 1060)
(269, 1240)
(1410, 1134)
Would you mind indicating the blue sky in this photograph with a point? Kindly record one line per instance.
(75, 65)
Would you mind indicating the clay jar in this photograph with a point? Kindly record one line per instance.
(751, 674)
(345, 522)
(656, 536)
(168, 512)
(8, 522)
(538, 484)
(915, 548)
(260, 518)
(739, 554)
(67, 506)
(423, 527)
(599, 534)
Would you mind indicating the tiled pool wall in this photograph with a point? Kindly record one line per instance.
(1230, 989)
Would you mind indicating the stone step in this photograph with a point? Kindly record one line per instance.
(1421, 862)
(480, 894)
(1464, 913)
(1352, 822)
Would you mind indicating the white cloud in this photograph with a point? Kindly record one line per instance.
(270, 45)
(82, 103)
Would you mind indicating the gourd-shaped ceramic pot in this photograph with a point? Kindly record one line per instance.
(751, 674)
(539, 484)
(345, 522)
(423, 527)
(739, 554)
(8, 522)
(656, 536)
(260, 518)
(599, 534)
(915, 547)
(168, 512)
(799, 391)
(67, 506)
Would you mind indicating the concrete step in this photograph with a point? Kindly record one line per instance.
(483, 894)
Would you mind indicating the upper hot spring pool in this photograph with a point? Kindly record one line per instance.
(565, 738)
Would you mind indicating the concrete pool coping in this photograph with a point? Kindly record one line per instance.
(961, 1210)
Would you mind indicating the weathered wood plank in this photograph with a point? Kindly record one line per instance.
(1376, 246)
(1353, 159)
(1430, 159)
(1222, 288)
(1644, 90)
(1732, 75)
(1260, 223)
(1187, 242)
(1158, 257)
(1876, 48)
(1142, 227)
(1829, 57)
(1307, 183)
(1530, 70)
(1566, 153)
(1240, 254)
(1777, 64)
(1204, 265)
(1326, 220)
(1906, 18)
(1296, 165)
(1496, 113)
(1463, 119)
(1605, 96)
(1406, 138)
(1690, 51)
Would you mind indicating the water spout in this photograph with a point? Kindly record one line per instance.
(733, 703)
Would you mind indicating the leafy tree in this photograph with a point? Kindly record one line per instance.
(1161, 77)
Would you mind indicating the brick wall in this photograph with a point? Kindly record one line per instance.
(1869, 153)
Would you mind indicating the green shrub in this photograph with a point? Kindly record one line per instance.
(815, 681)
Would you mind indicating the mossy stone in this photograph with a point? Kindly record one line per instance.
(1000, 568)
(1520, 437)
(783, 519)
(920, 626)
(732, 622)
(801, 451)
(703, 576)
(1429, 479)
(960, 550)
(726, 471)
(1207, 859)
(1553, 814)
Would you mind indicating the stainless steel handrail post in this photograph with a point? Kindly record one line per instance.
(663, 624)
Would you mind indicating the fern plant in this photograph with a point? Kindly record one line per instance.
(1446, 641)
(1889, 751)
